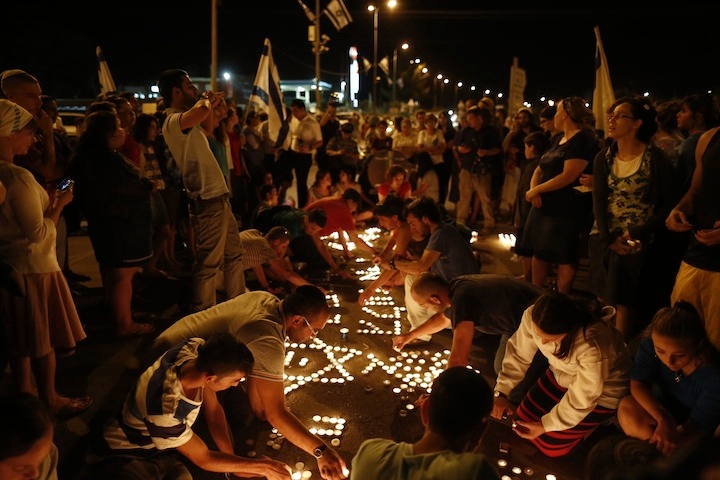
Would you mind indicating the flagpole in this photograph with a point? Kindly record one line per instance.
(213, 48)
(317, 55)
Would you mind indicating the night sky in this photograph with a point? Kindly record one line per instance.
(668, 52)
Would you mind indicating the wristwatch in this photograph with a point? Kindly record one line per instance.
(498, 394)
(318, 452)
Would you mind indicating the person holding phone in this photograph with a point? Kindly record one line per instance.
(42, 315)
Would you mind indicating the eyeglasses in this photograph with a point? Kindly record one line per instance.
(313, 332)
(616, 116)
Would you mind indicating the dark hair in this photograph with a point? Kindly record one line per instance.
(460, 401)
(556, 313)
(538, 140)
(391, 205)
(576, 109)
(352, 194)
(265, 190)
(682, 322)
(395, 170)
(318, 217)
(142, 125)
(482, 112)
(222, 354)
(298, 103)
(168, 80)
(548, 112)
(705, 104)
(350, 170)
(27, 420)
(641, 109)
(100, 106)
(98, 125)
(424, 164)
(320, 174)
(667, 115)
(347, 127)
(424, 207)
(306, 300)
(278, 233)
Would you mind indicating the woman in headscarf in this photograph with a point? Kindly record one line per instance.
(41, 315)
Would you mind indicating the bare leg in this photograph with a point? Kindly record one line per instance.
(527, 269)
(119, 289)
(44, 369)
(625, 321)
(540, 269)
(22, 375)
(566, 275)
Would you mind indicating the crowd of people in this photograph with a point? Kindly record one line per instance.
(637, 201)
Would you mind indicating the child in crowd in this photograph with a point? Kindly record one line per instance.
(675, 382)
(589, 374)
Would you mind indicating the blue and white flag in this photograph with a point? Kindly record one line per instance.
(603, 95)
(338, 14)
(266, 94)
(107, 84)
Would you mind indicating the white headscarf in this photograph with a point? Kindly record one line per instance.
(12, 117)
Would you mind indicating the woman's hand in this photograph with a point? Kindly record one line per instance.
(665, 436)
(528, 430)
(620, 246)
(502, 408)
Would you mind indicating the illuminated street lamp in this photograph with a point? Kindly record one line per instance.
(404, 46)
(376, 13)
(458, 85)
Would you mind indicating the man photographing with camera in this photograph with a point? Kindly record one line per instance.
(216, 230)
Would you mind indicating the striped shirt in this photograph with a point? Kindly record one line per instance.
(156, 414)
(257, 248)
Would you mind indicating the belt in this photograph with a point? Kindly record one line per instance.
(199, 201)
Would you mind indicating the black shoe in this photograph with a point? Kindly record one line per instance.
(75, 277)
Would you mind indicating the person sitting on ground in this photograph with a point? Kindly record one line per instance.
(264, 322)
(396, 183)
(486, 303)
(322, 187)
(456, 416)
(157, 416)
(588, 375)
(675, 382)
(266, 256)
(340, 220)
(26, 439)
(347, 180)
(447, 254)
(403, 243)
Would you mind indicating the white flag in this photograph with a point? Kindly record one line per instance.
(107, 84)
(338, 14)
(308, 13)
(266, 93)
(367, 65)
(603, 95)
(384, 65)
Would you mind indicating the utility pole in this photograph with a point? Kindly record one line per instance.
(213, 46)
(318, 51)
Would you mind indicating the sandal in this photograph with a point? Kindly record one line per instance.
(73, 406)
(138, 329)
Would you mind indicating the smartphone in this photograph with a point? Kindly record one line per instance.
(65, 183)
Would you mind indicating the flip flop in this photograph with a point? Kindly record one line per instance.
(74, 406)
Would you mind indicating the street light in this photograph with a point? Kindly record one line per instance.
(404, 46)
(376, 13)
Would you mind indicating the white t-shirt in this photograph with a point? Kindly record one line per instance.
(198, 166)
